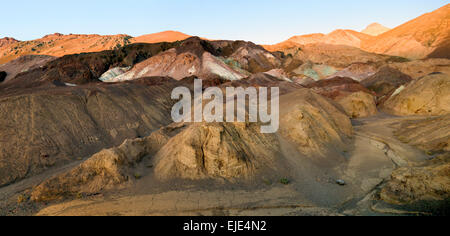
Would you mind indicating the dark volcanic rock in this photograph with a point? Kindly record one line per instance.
(2, 76)
(386, 81)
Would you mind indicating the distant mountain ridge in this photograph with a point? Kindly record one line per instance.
(415, 39)
(375, 29)
(425, 36)
(60, 45)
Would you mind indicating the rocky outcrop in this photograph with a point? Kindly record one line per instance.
(181, 65)
(49, 128)
(386, 81)
(338, 57)
(247, 55)
(111, 74)
(356, 100)
(314, 71)
(428, 183)
(358, 104)
(429, 95)
(24, 64)
(223, 150)
(316, 125)
(104, 170)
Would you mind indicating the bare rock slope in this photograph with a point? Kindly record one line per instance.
(429, 95)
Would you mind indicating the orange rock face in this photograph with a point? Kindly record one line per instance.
(58, 45)
(166, 36)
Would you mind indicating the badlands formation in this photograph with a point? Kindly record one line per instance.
(362, 130)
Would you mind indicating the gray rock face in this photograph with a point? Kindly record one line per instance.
(386, 81)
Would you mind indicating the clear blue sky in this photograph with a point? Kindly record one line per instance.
(261, 21)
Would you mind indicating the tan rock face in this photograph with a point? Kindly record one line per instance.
(223, 150)
(410, 185)
(419, 68)
(386, 81)
(359, 104)
(356, 100)
(24, 64)
(431, 134)
(314, 123)
(429, 95)
(375, 29)
(106, 169)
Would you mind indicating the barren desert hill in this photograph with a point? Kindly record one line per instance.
(375, 29)
(425, 36)
(165, 36)
(337, 37)
(416, 38)
(58, 45)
